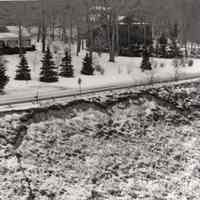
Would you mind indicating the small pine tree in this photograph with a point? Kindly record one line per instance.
(23, 71)
(48, 71)
(87, 66)
(66, 66)
(146, 64)
(3, 77)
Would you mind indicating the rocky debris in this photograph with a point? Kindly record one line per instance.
(137, 150)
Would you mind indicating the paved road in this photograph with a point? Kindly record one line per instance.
(31, 97)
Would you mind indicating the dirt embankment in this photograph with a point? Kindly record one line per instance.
(103, 142)
(72, 109)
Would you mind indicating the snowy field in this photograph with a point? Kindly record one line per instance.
(124, 70)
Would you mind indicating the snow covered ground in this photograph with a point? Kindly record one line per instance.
(124, 70)
(92, 155)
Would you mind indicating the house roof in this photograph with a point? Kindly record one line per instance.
(15, 29)
(13, 33)
(8, 36)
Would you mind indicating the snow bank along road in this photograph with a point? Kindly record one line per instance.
(8, 102)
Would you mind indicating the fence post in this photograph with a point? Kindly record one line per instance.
(79, 83)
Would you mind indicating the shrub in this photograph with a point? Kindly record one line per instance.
(66, 66)
(146, 64)
(162, 65)
(100, 69)
(87, 68)
(48, 71)
(190, 63)
(23, 70)
(3, 77)
(175, 63)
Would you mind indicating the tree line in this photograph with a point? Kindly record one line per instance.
(49, 72)
(74, 18)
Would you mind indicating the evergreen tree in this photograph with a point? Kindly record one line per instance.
(87, 68)
(23, 71)
(3, 77)
(146, 65)
(66, 66)
(48, 71)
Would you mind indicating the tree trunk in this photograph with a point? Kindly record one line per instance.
(145, 35)
(91, 43)
(82, 44)
(90, 36)
(39, 33)
(112, 49)
(192, 46)
(108, 34)
(186, 49)
(70, 33)
(78, 41)
(117, 39)
(43, 27)
(60, 33)
(129, 38)
(43, 38)
(64, 33)
(20, 37)
(64, 26)
(53, 31)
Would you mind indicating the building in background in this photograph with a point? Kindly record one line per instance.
(9, 40)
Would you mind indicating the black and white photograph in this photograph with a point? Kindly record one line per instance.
(99, 100)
